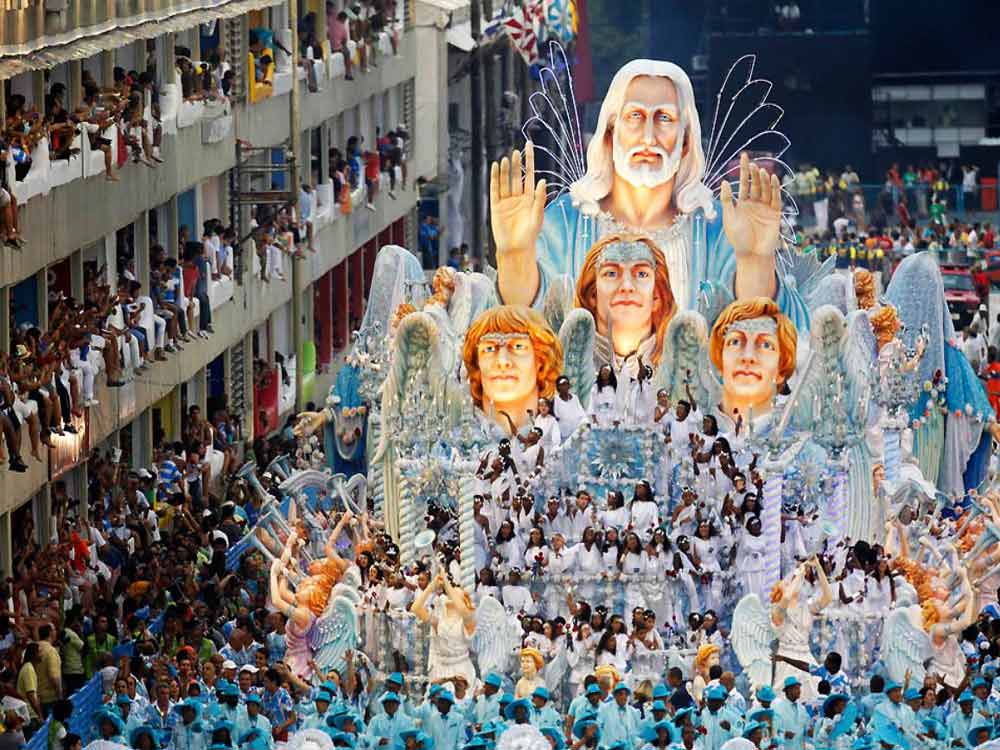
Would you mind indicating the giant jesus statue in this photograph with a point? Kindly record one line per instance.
(645, 174)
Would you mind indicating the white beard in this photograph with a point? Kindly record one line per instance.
(645, 175)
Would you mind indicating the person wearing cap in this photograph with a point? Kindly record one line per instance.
(718, 722)
(229, 670)
(984, 705)
(619, 721)
(109, 725)
(913, 727)
(792, 716)
(657, 713)
(188, 734)
(227, 697)
(124, 707)
(542, 714)
(584, 705)
(251, 718)
(385, 729)
(763, 697)
(754, 732)
(893, 709)
(487, 701)
(961, 721)
(445, 727)
(317, 719)
(833, 707)
(245, 680)
(394, 683)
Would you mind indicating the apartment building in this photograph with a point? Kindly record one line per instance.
(218, 157)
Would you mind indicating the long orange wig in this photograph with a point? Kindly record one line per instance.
(759, 307)
(515, 319)
(664, 305)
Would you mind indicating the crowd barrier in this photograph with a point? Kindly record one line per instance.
(86, 701)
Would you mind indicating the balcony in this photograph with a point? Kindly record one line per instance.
(335, 235)
(59, 214)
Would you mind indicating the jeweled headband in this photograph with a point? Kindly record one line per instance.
(754, 326)
(627, 252)
(502, 338)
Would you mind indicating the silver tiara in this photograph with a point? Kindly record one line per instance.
(753, 326)
(503, 338)
(627, 252)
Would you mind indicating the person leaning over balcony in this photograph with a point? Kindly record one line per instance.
(95, 120)
(338, 33)
(9, 420)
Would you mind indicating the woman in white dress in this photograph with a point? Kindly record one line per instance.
(617, 515)
(604, 398)
(611, 550)
(640, 399)
(559, 565)
(685, 571)
(546, 421)
(643, 510)
(705, 544)
(588, 560)
(751, 551)
(509, 547)
(580, 656)
(792, 617)
(536, 551)
(567, 408)
(632, 565)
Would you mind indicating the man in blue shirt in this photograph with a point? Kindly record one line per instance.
(487, 703)
(386, 728)
(446, 728)
(542, 714)
(618, 720)
(428, 242)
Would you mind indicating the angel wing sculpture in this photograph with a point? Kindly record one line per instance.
(684, 358)
(336, 630)
(752, 636)
(906, 648)
(497, 638)
(576, 334)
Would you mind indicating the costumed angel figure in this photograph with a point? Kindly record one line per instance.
(322, 622)
(645, 171)
(788, 623)
(927, 629)
(453, 624)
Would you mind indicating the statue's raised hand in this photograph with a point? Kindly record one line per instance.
(752, 224)
(309, 422)
(517, 209)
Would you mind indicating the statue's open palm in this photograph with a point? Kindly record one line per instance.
(517, 204)
(752, 222)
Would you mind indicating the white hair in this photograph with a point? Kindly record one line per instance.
(690, 193)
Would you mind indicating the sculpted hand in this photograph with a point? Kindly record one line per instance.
(309, 422)
(517, 209)
(517, 204)
(753, 220)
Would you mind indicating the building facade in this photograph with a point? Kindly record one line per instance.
(212, 133)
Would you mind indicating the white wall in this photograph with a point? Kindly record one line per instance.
(430, 89)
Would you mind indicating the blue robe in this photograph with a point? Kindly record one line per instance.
(568, 234)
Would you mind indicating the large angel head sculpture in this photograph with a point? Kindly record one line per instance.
(753, 345)
(512, 357)
(625, 285)
(648, 134)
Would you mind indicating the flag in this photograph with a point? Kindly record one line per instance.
(520, 27)
(560, 20)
